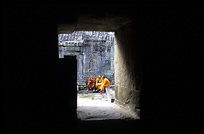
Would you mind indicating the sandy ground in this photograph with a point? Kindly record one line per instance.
(95, 106)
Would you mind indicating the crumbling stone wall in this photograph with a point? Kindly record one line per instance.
(127, 69)
(94, 51)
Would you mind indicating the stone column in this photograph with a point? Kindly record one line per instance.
(79, 66)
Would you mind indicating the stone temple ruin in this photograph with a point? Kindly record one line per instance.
(94, 52)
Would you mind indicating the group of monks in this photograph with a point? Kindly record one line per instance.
(99, 84)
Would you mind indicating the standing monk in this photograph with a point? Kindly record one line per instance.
(105, 83)
(91, 83)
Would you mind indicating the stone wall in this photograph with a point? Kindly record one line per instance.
(127, 69)
(94, 52)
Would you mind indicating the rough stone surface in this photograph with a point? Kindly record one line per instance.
(94, 23)
(127, 68)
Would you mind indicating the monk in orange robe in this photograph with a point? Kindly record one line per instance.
(98, 82)
(105, 83)
(91, 83)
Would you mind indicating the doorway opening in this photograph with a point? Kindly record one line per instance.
(94, 51)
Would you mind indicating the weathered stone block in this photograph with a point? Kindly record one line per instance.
(126, 71)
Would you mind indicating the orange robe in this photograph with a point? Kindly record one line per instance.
(98, 86)
(105, 83)
(91, 83)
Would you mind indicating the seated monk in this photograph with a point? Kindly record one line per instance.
(105, 83)
(98, 82)
(91, 83)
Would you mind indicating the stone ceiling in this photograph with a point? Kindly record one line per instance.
(93, 23)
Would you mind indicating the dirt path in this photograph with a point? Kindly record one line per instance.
(95, 106)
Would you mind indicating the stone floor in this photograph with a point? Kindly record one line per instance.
(95, 106)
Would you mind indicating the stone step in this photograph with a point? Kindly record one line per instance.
(110, 93)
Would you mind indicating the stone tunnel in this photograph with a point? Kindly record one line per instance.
(157, 64)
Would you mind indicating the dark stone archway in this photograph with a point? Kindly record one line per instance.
(162, 40)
